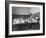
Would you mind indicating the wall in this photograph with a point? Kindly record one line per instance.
(21, 10)
(25, 10)
(35, 10)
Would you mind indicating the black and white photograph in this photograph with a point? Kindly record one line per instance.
(25, 19)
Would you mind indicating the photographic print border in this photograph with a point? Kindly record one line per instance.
(7, 18)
